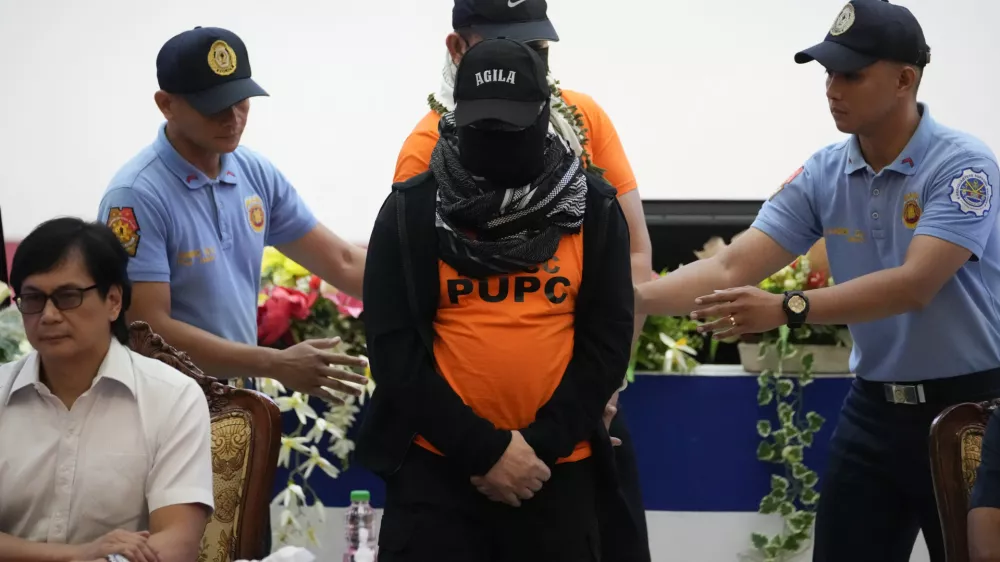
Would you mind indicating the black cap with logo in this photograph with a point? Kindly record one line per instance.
(867, 31)
(209, 67)
(524, 20)
(500, 79)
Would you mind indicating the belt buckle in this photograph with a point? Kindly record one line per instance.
(904, 393)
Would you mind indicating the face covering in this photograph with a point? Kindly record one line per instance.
(543, 53)
(503, 157)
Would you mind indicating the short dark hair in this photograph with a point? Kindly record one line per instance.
(48, 246)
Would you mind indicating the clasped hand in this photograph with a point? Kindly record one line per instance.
(518, 475)
(134, 546)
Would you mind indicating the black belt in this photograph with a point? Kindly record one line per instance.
(951, 390)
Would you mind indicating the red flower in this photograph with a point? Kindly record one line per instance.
(274, 317)
(348, 305)
(816, 280)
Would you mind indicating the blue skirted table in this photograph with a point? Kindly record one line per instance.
(695, 437)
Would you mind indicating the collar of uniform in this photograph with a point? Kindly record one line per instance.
(185, 171)
(117, 366)
(911, 156)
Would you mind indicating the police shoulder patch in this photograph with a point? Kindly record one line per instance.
(122, 221)
(786, 182)
(972, 192)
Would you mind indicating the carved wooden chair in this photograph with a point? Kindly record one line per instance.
(246, 437)
(956, 445)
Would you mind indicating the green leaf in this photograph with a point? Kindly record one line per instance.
(766, 452)
(810, 479)
(764, 379)
(815, 421)
(800, 521)
(764, 428)
(799, 471)
(764, 396)
(786, 509)
(792, 543)
(807, 362)
(809, 496)
(792, 453)
(786, 413)
(806, 437)
(771, 551)
(769, 505)
(780, 437)
(785, 387)
(779, 485)
(805, 380)
(759, 541)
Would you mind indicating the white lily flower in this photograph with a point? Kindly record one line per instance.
(316, 459)
(298, 403)
(288, 444)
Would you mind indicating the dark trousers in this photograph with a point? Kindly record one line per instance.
(619, 524)
(433, 513)
(877, 492)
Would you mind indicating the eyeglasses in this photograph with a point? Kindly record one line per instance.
(63, 299)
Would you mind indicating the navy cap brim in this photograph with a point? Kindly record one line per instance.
(541, 30)
(520, 114)
(223, 96)
(835, 57)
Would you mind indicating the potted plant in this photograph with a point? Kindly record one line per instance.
(829, 346)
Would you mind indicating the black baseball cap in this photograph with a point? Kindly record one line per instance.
(500, 79)
(209, 67)
(523, 20)
(867, 31)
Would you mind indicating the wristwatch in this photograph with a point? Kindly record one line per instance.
(116, 558)
(796, 307)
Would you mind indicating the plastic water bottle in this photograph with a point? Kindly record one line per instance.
(360, 528)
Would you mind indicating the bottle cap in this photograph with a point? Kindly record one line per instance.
(361, 496)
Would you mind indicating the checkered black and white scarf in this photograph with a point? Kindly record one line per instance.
(511, 229)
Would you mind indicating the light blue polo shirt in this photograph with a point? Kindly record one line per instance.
(205, 236)
(942, 185)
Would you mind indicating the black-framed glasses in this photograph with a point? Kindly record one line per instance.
(63, 299)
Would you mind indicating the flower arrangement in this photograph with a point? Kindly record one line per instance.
(667, 344)
(295, 306)
(13, 342)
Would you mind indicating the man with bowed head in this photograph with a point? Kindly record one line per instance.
(590, 133)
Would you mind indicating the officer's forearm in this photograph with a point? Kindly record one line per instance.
(674, 293)
(871, 297)
(642, 270)
(215, 356)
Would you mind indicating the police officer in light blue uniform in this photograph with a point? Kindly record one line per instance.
(195, 210)
(908, 209)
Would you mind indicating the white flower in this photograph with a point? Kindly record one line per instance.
(316, 459)
(270, 387)
(4, 292)
(299, 403)
(291, 496)
(287, 445)
(342, 448)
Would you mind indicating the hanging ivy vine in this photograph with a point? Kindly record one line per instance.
(793, 495)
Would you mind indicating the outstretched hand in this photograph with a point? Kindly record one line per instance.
(308, 367)
(743, 310)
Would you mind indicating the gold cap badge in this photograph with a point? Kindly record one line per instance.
(222, 58)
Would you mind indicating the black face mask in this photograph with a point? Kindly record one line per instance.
(543, 53)
(503, 157)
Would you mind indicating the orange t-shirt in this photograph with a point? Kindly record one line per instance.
(604, 146)
(503, 344)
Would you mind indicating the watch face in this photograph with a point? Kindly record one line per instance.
(797, 304)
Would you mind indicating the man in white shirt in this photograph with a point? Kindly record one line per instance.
(104, 453)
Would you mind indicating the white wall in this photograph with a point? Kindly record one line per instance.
(705, 94)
